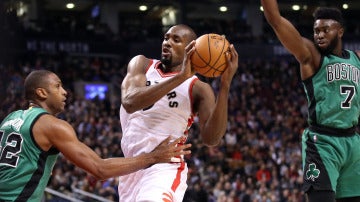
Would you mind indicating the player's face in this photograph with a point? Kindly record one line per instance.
(173, 46)
(327, 34)
(56, 94)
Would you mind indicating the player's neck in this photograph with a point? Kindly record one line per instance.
(33, 104)
(168, 69)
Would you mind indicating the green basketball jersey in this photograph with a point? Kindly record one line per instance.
(333, 93)
(25, 168)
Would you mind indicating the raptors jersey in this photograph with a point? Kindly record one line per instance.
(145, 129)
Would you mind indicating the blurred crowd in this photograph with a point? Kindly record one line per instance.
(259, 159)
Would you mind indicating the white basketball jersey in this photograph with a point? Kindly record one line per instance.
(145, 129)
(172, 116)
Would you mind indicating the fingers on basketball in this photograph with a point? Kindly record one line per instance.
(209, 57)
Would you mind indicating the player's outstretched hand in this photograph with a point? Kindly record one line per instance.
(169, 152)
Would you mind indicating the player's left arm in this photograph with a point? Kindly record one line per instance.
(211, 126)
(213, 113)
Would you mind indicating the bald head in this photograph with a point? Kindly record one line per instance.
(173, 46)
(190, 34)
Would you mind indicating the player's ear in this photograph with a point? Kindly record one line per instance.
(41, 93)
(341, 32)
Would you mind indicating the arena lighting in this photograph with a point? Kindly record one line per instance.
(345, 6)
(295, 7)
(22, 9)
(223, 8)
(142, 8)
(70, 5)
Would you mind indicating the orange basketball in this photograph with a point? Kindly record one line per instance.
(209, 57)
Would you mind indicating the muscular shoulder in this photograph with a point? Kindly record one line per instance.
(199, 85)
(310, 59)
(201, 92)
(139, 58)
(49, 122)
(139, 62)
(49, 129)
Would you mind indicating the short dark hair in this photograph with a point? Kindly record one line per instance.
(329, 13)
(36, 79)
(193, 35)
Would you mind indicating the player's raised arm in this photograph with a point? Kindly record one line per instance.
(213, 112)
(285, 31)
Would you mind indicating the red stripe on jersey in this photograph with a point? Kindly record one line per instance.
(149, 65)
(163, 74)
(178, 176)
(191, 95)
(169, 197)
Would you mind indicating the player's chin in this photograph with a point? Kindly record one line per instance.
(62, 107)
(322, 46)
(165, 55)
(324, 49)
(165, 60)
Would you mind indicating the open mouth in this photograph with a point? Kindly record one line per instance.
(166, 52)
(321, 42)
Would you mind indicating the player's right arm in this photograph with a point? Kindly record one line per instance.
(303, 49)
(135, 95)
(50, 131)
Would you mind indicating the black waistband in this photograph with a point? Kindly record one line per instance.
(333, 131)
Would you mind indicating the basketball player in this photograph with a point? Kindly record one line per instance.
(159, 100)
(31, 140)
(330, 74)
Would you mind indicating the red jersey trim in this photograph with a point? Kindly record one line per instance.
(149, 65)
(191, 95)
(177, 179)
(161, 73)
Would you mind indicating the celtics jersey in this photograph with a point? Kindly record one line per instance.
(25, 168)
(333, 93)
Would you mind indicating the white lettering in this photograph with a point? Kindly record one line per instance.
(343, 71)
(15, 123)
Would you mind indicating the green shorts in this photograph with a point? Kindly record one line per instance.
(331, 163)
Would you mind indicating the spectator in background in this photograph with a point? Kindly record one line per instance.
(263, 174)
